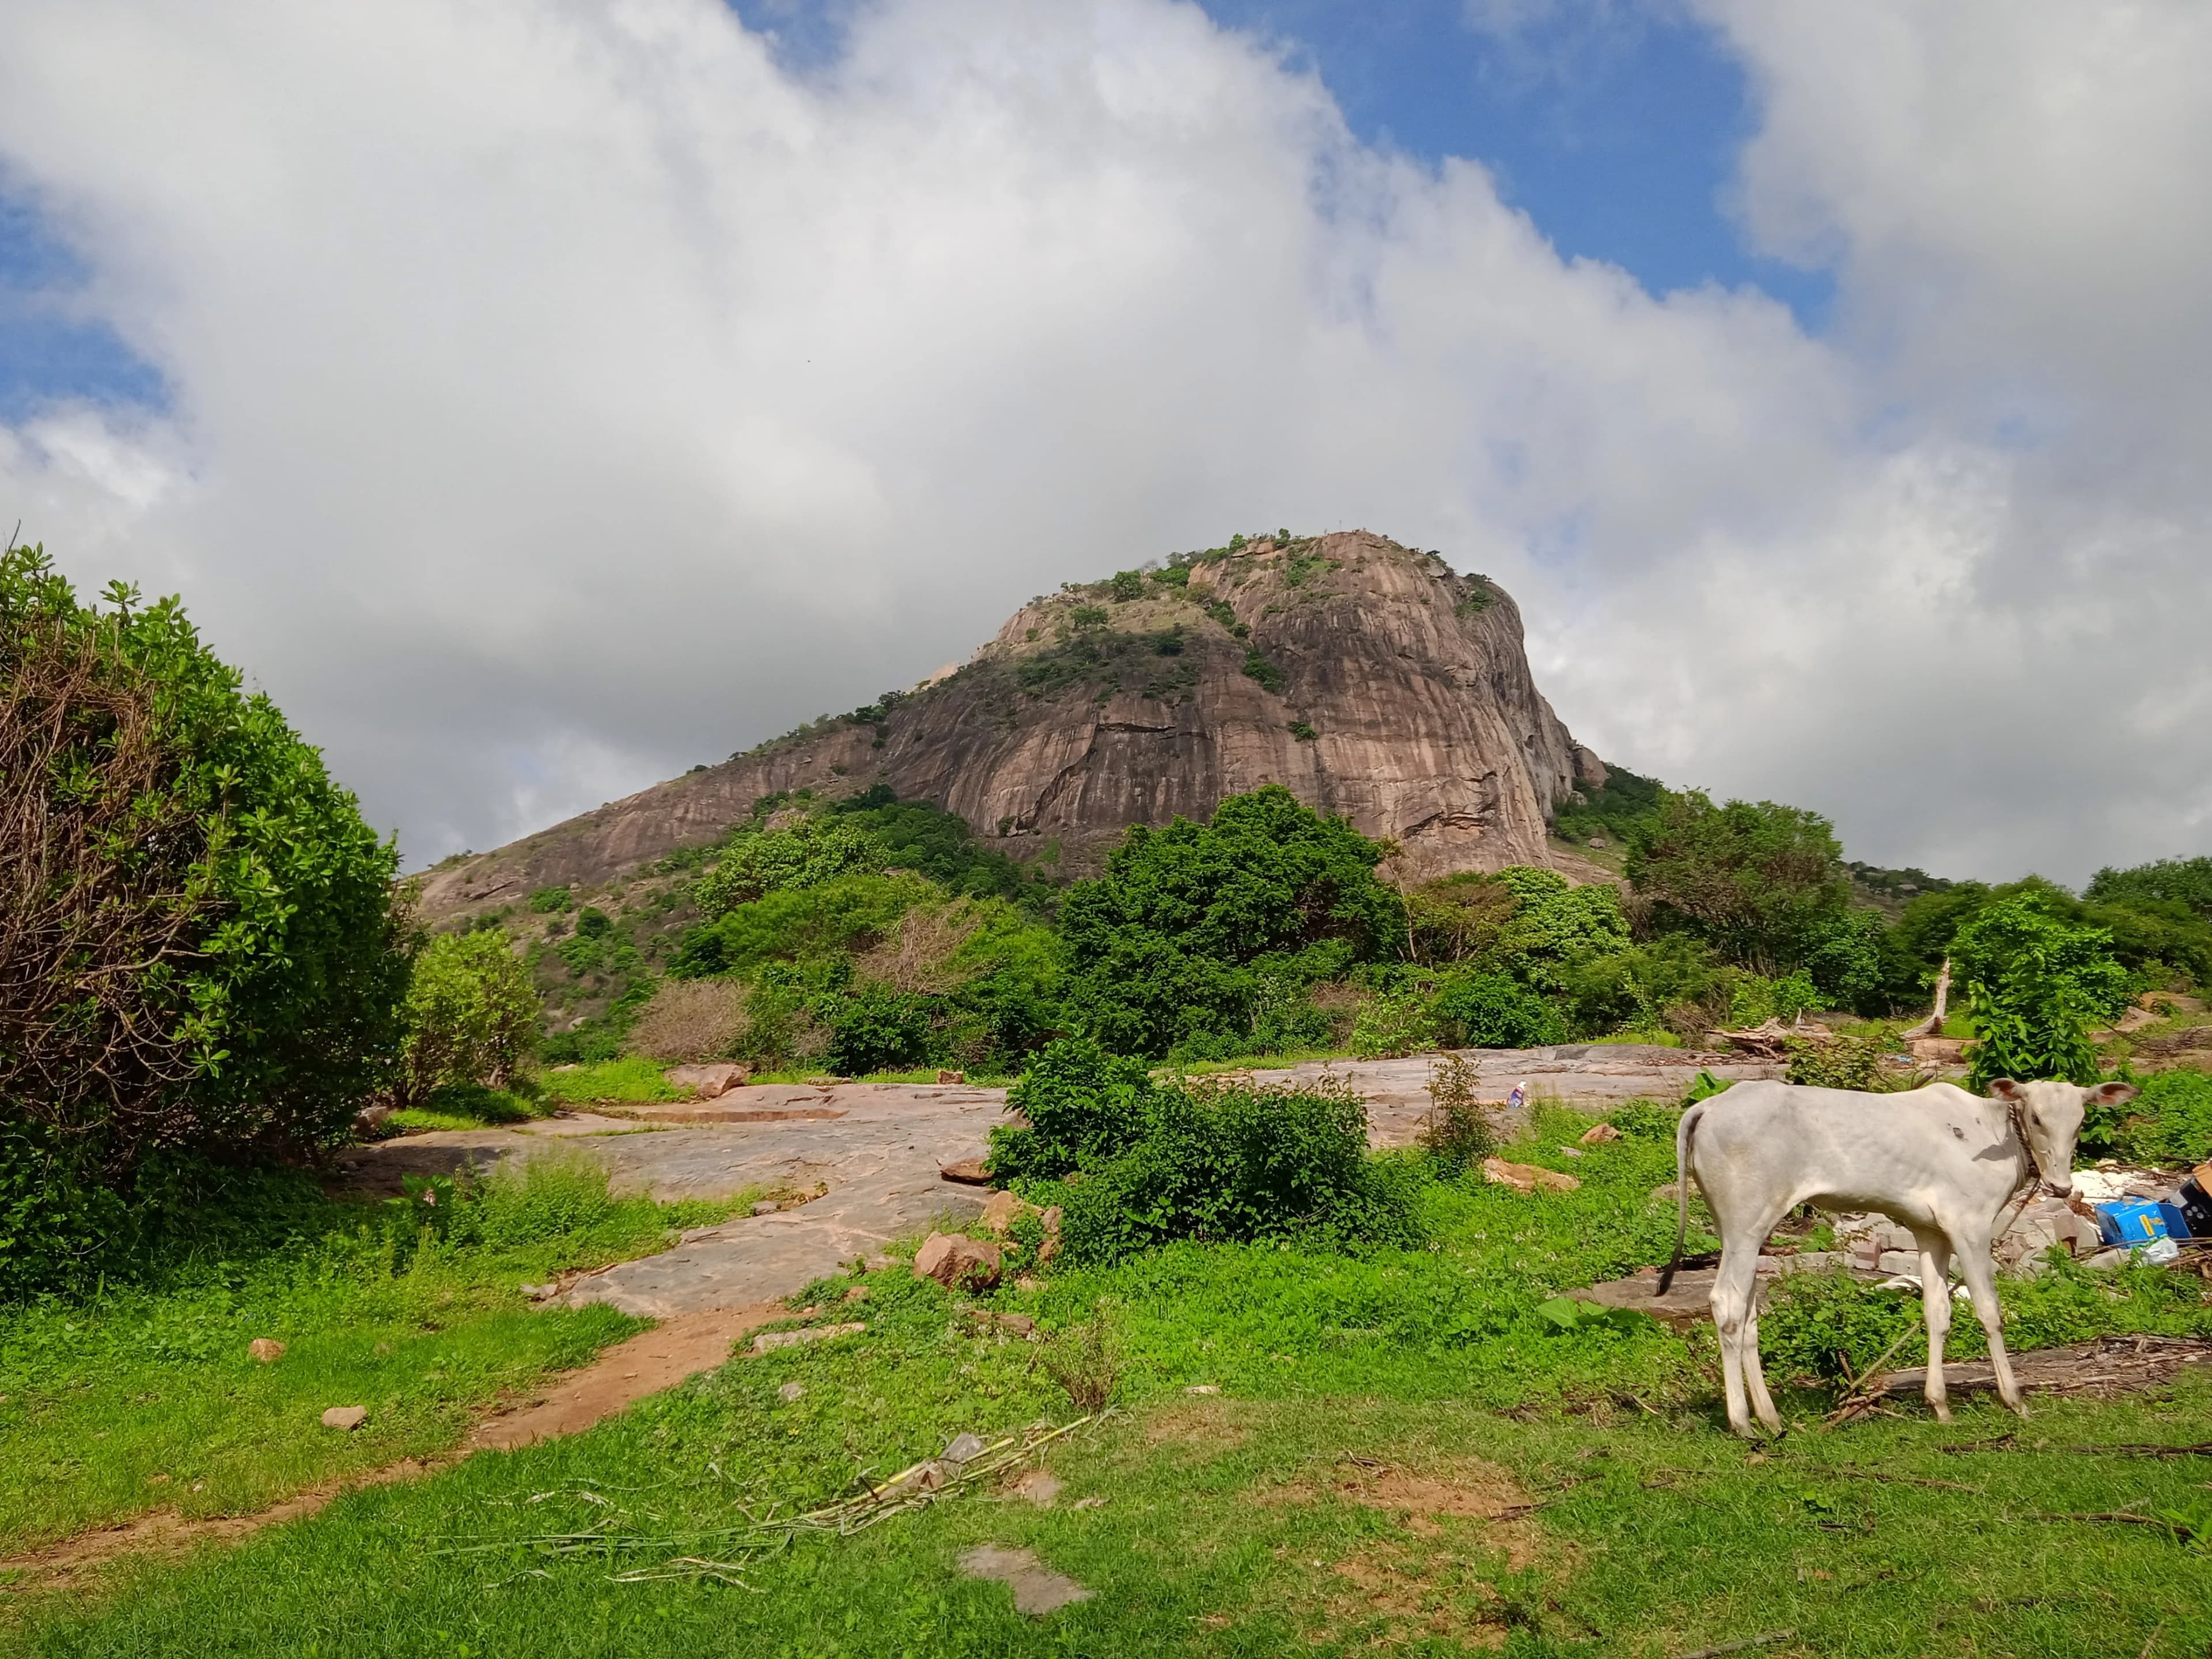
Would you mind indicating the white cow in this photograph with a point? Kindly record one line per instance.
(1938, 1161)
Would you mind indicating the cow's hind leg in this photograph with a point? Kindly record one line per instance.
(1974, 1267)
(1735, 1288)
(1935, 1309)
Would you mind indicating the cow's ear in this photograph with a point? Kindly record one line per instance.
(2112, 1094)
(2003, 1088)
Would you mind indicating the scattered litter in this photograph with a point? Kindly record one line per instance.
(2159, 1251)
(1037, 1589)
(962, 1449)
(2127, 1222)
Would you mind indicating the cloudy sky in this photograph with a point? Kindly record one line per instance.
(537, 397)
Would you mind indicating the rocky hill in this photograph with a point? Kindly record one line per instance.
(1365, 677)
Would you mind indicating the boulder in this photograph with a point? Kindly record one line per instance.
(1598, 1134)
(968, 1172)
(957, 1262)
(348, 1418)
(953, 1077)
(708, 1082)
(267, 1350)
(1002, 1210)
(1526, 1177)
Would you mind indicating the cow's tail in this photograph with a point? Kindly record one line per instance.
(1683, 1131)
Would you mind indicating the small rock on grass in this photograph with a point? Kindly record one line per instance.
(348, 1418)
(791, 1391)
(265, 1349)
(1039, 1486)
(1202, 1388)
(1526, 1177)
(1598, 1134)
(957, 1262)
(1037, 1589)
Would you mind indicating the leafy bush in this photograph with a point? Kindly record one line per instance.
(877, 1030)
(547, 899)
(203, 955)
(807, 855)
(1850, 1060)
(932, 842)
(2169, 1124)
(1457, 1135)
(1391, 1023)
(2037, 986)
(1082, 1105)
(1217, 1160)
(1477, 1010)
(843, 914)
(1177, 938)
(2186, 882)
(1303, 731)
(1127, 585)
(470, 1015)
(1257, 667)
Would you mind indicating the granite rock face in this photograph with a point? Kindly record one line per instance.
(1364, 676)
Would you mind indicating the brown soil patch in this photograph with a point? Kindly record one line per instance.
(1460, 1488)
(1206, 1424)
(1401, 1597)
(647, 1362)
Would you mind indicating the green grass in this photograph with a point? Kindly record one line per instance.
(608, 1079)
(913, 1074)
(1231, 1524)
(145, 1397)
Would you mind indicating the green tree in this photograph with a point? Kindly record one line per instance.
(2187, 881)
(1757, 879)
(2037, 985)
(807, 853)
(202, 952)
(1175, 939)
(470, 1014)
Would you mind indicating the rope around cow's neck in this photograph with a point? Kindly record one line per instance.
(2023, 1188)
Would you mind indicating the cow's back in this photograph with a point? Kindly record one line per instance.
(1910, 1155)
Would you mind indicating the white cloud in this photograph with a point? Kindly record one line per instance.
(565, 393)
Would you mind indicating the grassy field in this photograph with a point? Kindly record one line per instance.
(1402, 1451)
(145, 1397)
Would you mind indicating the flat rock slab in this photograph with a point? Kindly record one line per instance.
(2108, 1366)
(1689, 1298)
(1588, 1075)
(1037, 1589)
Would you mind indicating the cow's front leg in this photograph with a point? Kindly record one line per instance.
(1974, 1267)
(1935, 1310)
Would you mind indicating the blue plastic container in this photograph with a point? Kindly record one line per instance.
(2128, 1222)
(2176, 1224)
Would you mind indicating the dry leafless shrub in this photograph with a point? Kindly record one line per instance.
(918, 960)
(690, 1019)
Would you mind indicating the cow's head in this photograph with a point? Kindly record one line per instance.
(2053, 1114)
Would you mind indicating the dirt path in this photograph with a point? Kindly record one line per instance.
(571, 1402)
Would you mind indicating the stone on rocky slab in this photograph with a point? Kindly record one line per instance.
(768, 1341)
(1598, 1134)
(968, 1171)
(957, 1262)
(1526, 1177)
(1037, 1589)
(961, 1448)
(706, 1082)
(266, 1349)
(1000, 1213)
(537, 1292)
(767, 1206)
(790, 1392)
(348, 1418)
